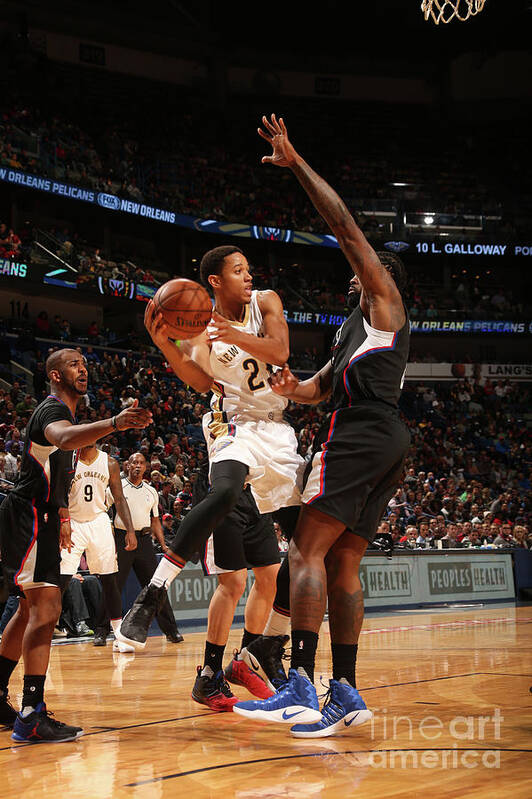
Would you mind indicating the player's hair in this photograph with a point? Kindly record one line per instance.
(395, 267)
(213, 261)
(54, 361)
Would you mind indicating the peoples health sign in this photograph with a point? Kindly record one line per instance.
(407, 579)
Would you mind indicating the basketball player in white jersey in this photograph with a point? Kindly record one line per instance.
(247, 438)
(91, 530)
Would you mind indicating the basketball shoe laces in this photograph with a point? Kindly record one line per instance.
(51, 720)
(331, 712)
(223, 686)
(279, 654)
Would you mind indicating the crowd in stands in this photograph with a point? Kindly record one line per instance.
(468, 295)
(167, 149)
(89, 261)
(10, 243)
(467, 476)
(303, 287)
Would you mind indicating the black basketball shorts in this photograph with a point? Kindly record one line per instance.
(245, 539)
(29, 542)
(357, 461)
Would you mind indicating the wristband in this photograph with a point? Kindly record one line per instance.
(113, 422)
(65, 520)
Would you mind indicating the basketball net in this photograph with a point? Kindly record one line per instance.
(446, 10)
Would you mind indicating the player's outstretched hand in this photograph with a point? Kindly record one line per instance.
(275, 133)
(134, 417)
(283, 382)
(156, 326)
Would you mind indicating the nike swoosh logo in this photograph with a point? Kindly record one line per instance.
(254, 663)
(287, 716)
(348, 723)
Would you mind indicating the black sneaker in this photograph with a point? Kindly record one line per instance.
(39, 728)
(136, 622)
(100, 637)
(8, 714)
(214, 691)
(264, 656)
(175, 638)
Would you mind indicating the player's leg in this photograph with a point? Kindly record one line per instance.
(344, 708)
(92, 593)
(71, 599)
(144, 566)
(75, 610)
(245, 669)
(259, 601)
(210, 687)
(264, 654)
(224, 555)
(10, 653)
(102, 558)
(296, 700)
(227, 479)
(33, 724)
(247, 539)
(279, 620)
(30, 553)
(124, 559)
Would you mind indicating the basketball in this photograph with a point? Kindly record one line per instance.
(185, 305)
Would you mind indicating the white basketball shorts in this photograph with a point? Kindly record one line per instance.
(96, 539)
(269, 450)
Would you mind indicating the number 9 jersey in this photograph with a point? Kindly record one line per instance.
(241, 381)
(87, 492)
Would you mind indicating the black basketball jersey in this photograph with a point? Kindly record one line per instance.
(46, 472)
(368, 364)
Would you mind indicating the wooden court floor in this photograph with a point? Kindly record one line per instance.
(450, 692)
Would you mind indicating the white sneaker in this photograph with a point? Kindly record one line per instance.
(118, 646)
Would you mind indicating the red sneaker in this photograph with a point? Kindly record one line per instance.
(239, 673)
(213, 691)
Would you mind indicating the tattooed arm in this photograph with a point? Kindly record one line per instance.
(380, 299)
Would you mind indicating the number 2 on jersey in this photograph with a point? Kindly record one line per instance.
(251, 365)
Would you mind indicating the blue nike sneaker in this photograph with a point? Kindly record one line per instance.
(295, 699)
(343, 708)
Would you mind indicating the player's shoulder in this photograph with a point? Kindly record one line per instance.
(268, 300)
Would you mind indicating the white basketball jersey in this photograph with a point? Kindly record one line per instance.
(241, 380)
(87, 493)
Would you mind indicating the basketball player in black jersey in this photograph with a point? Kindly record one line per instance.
(34, 525)
(356, 464)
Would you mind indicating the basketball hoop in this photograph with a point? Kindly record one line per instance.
(446, 10)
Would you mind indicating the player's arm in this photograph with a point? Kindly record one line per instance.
(188, 361)
(272, 347)
(120, 502)
(67, 436)
(157, 532)
(65, 530)
(155, 522)
(308, 392)
(387, 311)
